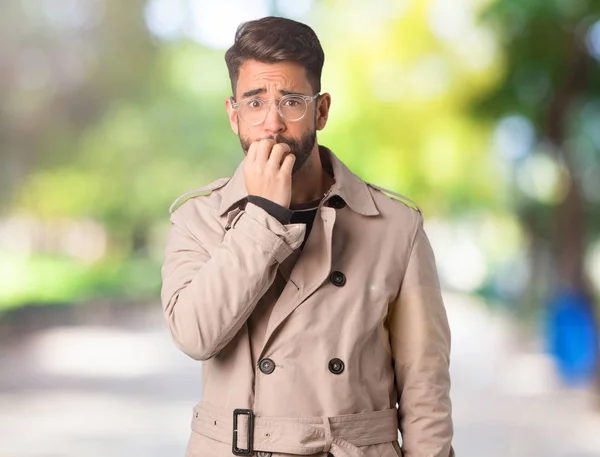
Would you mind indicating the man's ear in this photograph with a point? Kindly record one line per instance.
(323, 105)
(232, 114)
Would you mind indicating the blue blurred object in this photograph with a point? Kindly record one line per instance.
(572, 336)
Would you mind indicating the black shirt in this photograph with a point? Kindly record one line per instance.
(298, 214)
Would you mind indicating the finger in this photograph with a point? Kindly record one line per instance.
(277, 154)
(251, 156)
(264, 150)
(283, 147)
(288, 165)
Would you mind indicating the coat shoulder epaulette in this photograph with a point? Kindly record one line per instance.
(407, 201)
(200, 192)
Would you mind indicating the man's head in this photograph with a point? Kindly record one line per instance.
(273, 58)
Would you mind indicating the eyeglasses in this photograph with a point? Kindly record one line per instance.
(290, 107)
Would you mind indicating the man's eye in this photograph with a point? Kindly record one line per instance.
(255, 104)
(292, 102)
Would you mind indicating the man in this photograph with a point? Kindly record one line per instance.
(311, 297)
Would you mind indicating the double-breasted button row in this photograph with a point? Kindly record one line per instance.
(267, 366)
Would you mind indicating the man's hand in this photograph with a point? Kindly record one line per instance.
(268, 171)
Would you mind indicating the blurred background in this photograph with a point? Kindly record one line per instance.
(486, 112)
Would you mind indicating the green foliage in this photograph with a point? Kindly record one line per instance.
(541, 41)
(45, 279)
(400, 112)
(130, 166)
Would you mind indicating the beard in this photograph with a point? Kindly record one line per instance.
(301, 147)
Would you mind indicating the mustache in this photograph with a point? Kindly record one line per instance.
(280, 139)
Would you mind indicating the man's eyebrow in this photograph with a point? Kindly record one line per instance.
(287, 92)
(254, 92)
(262, 90)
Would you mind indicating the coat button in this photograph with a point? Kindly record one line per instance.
(338, 279)
(263, 454)
(336, 202)
(267, 366)
(336, 366)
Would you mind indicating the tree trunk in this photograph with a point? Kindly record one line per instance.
(571, 219)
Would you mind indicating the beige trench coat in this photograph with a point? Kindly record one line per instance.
(323, 344)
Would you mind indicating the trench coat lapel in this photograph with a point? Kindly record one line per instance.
(311, 270)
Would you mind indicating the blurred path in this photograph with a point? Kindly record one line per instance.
(124, 390)
(508, 401)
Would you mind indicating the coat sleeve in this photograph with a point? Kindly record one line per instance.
(420, 342)
(208, 292)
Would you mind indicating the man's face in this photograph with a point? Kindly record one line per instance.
(266, 81)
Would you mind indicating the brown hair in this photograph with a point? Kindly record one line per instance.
(276, 39)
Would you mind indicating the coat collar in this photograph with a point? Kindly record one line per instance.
(347, 185)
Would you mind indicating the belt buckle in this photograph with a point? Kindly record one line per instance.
(249, 449)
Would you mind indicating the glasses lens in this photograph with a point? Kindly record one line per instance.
(292, 107)
(253, 111)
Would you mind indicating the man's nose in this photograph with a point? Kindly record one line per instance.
(273, 122)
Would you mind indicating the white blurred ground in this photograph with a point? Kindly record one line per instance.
(107, 391)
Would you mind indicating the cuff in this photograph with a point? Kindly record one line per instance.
(277, 239)
(281, 213)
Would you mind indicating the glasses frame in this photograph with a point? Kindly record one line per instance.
(307, 98)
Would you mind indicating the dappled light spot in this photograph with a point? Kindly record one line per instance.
(542, 178)
(593, 40)
(513, 137)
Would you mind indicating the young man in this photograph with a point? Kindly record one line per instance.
(311, 297)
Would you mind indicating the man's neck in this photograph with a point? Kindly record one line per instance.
(311, 182)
